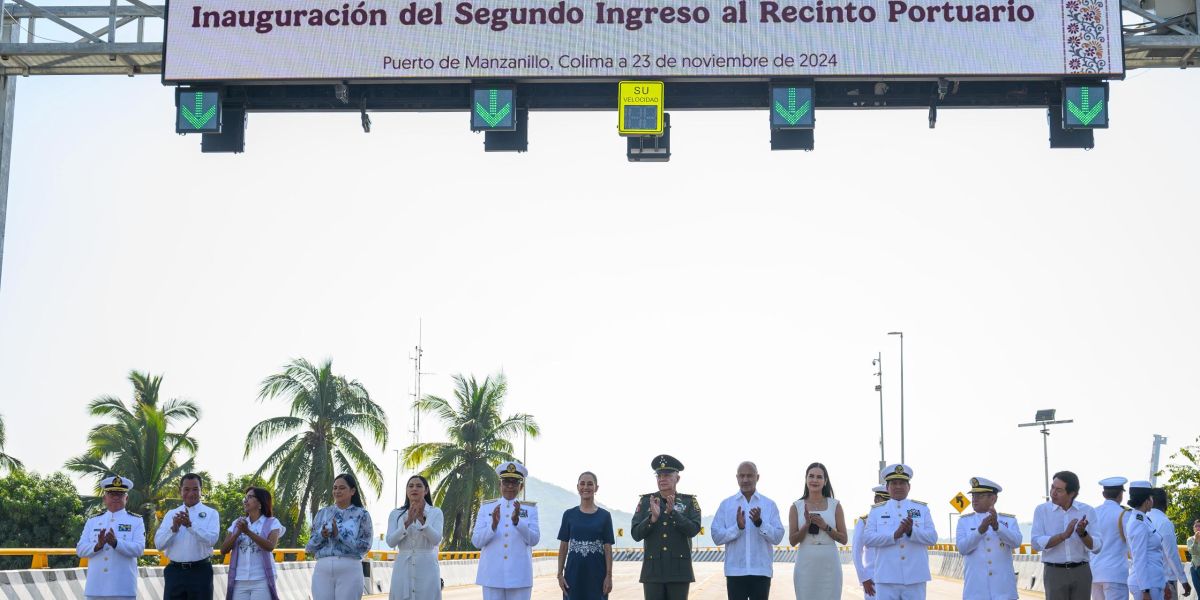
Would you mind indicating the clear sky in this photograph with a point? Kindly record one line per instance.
(722, 307)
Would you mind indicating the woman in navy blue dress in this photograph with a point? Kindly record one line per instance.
(585, 546)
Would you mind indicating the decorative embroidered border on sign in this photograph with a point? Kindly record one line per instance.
(1085, 36)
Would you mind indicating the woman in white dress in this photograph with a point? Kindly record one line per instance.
(415, 530)
(816, 526)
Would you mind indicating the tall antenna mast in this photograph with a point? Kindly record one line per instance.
(416, 394)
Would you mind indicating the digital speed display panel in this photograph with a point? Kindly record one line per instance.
(295, 40)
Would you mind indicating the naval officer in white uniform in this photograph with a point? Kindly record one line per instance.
(506, 530)
(864, 557)
(900, 530)
(112, 541)
(1147, 568)
(986, 539)
(1110, 567)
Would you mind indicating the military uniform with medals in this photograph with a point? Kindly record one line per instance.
(505, 553)
(901, 567)
(987, 556)
(667, 557)
(112, 571)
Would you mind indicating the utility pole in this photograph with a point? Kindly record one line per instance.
(878, 362)
(1159, 442)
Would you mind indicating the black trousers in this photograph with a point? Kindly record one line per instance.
(748, 587)
(666, 591)
(188, 582)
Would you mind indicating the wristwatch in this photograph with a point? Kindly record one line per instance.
(828, 529)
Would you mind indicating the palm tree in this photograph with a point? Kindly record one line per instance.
(7, 462)
(138, 444)
(479, 440)
(326, 412)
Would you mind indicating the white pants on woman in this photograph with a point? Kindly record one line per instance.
(337, 578)
(253, 589)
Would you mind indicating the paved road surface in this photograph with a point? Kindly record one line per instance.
(710, 585)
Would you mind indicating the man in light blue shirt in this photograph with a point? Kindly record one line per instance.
(749, 527)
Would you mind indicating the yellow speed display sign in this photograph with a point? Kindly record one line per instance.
(640, 108)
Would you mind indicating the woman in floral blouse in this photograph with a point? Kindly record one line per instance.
(341, 536)
(585, 546)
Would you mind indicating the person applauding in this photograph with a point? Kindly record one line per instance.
(415, 530)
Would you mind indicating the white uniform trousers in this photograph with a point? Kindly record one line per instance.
(899, 591)
(1110, 591)
(254, 589)
(337, 578)
(1156, 593)
(492, 593)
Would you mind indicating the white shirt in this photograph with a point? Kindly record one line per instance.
(112, 571)
(189, 544)
(1166, 530)
(1050, 520)
(1146, 570)
(987, 557)
(864, 557)
(505, 557)
(903, 561)
(749, 551)
(249, 566)
(1111, 564)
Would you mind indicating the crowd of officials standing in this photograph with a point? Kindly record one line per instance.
(1110, 552)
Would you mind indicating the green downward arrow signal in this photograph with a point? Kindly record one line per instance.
(490, 114)
(792, 114)
(1084, 111)
(197, 116)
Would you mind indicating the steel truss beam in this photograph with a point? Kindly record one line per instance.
(94, 52)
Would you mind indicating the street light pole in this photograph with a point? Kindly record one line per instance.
(901, 334)
(1044, 419)
(878, 362)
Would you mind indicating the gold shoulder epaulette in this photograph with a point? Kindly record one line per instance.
(863, 518)
(878, 504)
(528, 503)
(489, 501)
(1007, 515)
(135, 515)
(919, 502)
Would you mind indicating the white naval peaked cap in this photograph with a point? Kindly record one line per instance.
(981, 485)
(880, 489)
(512, 470)
(116, 483)
(897, 471)
(1114, 482)
(1140, 484)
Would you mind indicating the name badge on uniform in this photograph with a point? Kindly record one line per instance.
(124, 527)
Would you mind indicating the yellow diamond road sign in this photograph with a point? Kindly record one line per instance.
(960, 502)
(640, 108)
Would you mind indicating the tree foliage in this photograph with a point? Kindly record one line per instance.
(1184, 489)
(138, 442)
(327, 412)
(39, 511)
(464, 467)
(7, 462)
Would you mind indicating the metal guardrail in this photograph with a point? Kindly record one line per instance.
(40, 557)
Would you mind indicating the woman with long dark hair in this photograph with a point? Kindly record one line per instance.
(341, 536)
(250, 543)
(816, 526)
(415, 531)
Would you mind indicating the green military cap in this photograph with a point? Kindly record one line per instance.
(665, 463)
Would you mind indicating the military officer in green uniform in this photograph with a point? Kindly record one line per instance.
(666, 521)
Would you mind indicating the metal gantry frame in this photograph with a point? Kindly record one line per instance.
(1152, 42)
